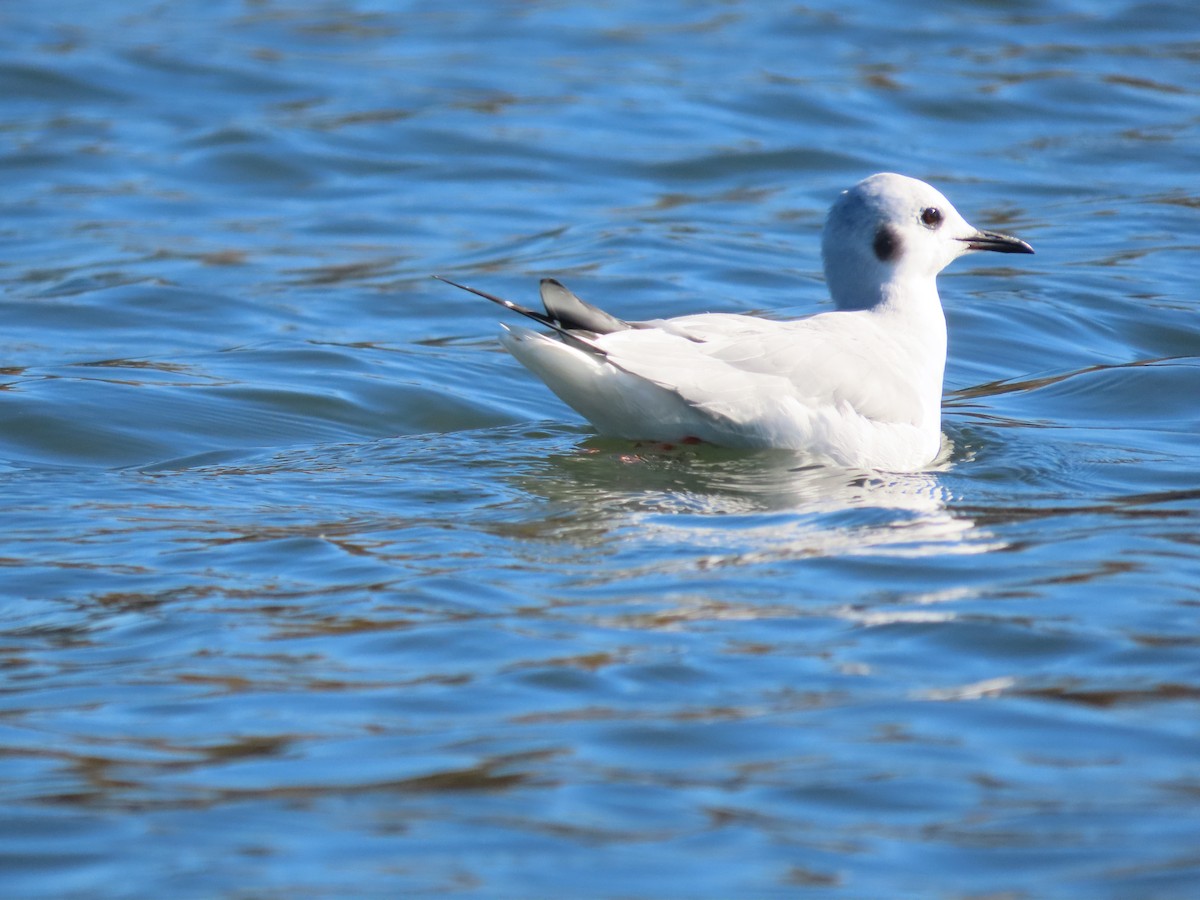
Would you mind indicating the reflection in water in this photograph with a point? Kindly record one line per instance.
(740, 508)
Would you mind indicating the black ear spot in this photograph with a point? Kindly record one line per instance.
(887, 244)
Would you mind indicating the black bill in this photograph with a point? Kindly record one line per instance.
(1001, 243)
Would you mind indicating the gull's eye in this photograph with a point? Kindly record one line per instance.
(931, 217)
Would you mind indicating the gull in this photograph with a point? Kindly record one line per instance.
(859, 386)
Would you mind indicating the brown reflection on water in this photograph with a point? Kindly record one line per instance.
(110, 783)
(1104, 699)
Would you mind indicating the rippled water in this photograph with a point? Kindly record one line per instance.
(309, 590)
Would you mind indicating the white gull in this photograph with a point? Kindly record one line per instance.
(859, 386)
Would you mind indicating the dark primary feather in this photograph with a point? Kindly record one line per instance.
(567, 327)
(571, 312)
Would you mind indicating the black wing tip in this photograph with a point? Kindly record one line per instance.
(580, 338)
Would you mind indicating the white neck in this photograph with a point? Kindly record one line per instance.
(919, 327)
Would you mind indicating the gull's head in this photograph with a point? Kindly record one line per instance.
(889, 236)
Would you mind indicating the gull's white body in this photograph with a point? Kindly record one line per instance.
(755, 383)
(858, 386)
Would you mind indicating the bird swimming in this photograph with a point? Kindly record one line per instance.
(858, 386)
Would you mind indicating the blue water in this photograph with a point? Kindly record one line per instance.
(308, 590)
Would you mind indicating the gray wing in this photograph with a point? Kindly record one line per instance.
(572, 313)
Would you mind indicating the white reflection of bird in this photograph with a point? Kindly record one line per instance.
(858, 386)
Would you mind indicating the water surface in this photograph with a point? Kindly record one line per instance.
(308, 589)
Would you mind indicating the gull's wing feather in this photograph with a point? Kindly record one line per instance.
(733, 365)
(571, 312)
